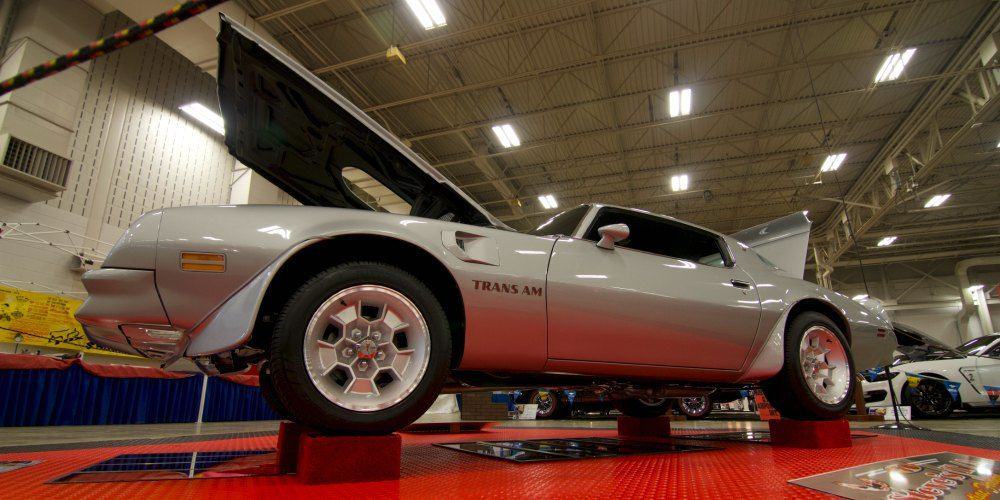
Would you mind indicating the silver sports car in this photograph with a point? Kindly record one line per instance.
(360, 318)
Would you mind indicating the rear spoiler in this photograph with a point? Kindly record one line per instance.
(783, 241)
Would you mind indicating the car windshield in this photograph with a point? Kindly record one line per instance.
(976, 346)
(563, 224)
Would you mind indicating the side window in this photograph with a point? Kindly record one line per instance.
(649, 233)
(993, 353)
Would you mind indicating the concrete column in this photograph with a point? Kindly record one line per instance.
(983, 311)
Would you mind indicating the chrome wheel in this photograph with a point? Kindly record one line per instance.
(366, 348)
(825, 365)
(693, 406)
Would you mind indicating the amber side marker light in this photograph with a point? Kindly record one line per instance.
(203, 262)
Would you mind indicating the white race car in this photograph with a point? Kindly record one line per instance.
(938, 380)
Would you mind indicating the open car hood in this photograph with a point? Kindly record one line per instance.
(783, 241)
(298, 133)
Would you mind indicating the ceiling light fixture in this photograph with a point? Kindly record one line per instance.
(207, 117)
(428, 12)
(679, 182)
(548, 201)
(680, 102)
(888, 240)
(832, 162)
(506, 135)
(937, 200)
(893, 65)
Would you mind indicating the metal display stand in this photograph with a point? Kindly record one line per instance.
(897, 425)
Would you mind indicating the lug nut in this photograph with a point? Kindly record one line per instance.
(379, 356)
(363, 365)
(348, 352)
(357, 333)
(376, 336)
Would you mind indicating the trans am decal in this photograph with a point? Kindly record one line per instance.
(509, 288)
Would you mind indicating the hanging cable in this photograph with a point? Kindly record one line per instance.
(119, 39)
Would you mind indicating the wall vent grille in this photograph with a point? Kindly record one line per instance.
(36, 162)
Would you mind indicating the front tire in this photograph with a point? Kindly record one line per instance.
(362, 348)
(930, 399)
(817, 379)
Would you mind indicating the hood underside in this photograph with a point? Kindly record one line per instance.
(298, 133)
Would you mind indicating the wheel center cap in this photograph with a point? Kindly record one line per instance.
(367, 349)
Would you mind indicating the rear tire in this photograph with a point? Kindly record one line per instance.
(643, 408)
(362, 348)
(814, 345)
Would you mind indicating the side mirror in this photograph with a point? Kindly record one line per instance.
(611, 234)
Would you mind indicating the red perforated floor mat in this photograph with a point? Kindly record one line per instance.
(736, 471)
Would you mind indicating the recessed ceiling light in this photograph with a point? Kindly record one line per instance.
(679, 182)
(832, 162)
(428, 12)
(888, 240)
(506, 135)
(680, 102)
(207, 117)
(937, 200)
(893, 65)
(548, 201)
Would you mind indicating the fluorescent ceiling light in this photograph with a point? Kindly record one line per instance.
(832, 162)
(506, 135)
(679, 182)
(428, 12)
(888, 240)
(680, 102)
(206, 116)
(862, 296)
(936, 200)
(548, 201)
(893, 65)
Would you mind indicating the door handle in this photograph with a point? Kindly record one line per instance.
(740, 284)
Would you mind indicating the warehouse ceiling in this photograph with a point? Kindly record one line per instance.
(776, 87)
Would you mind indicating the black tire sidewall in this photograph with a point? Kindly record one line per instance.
(292, 380)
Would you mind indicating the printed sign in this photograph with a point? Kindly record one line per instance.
(938, 475)
(44, 320)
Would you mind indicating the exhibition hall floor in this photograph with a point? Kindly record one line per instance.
(728, 468)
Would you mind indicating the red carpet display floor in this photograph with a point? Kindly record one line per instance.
(736, 470)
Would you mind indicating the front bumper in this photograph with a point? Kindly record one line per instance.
(123, 312)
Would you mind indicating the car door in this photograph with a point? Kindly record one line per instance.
(668, 295)
(988, 369)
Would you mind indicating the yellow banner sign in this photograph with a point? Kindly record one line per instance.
(40, 319)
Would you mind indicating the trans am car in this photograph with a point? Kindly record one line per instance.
(936, 380)
(360, 318)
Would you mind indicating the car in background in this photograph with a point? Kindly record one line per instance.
(564, 403)
(935, 380)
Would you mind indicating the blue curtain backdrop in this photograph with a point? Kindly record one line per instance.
(75, 397)
(228, 402)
